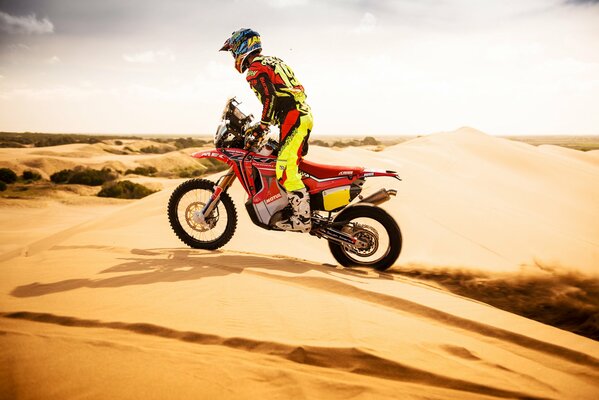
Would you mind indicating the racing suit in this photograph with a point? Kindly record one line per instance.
(284, 104)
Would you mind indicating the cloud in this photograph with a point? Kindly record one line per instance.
(149, 57)
(27, 25)
(578, 2)
(53, 60)
(367, 24)
(287, 3)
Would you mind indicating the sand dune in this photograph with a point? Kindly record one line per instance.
(48, 160)
(114, 306)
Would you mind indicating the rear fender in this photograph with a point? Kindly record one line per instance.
(379, 172)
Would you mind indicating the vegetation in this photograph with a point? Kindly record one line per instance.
(206, 166)
(367, 141)
(582, 143)
(155, 149)
(31, 176)
(568, 301)
(145, 171)
(186, 173)
(124, 190)
(184, 143)
(84, 176)
(7, 175)
(33, 139)
(2, 186)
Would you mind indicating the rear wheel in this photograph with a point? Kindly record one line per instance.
(185, 215)
(379, 238)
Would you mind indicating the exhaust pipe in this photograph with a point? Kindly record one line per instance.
(378, 197)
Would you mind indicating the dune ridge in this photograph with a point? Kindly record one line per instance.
(354, 360)
(264, 320)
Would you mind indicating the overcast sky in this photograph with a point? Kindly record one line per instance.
(371, 67)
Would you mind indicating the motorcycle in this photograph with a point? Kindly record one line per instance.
(203, 215)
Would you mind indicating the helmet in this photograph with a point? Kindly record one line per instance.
(241, 44)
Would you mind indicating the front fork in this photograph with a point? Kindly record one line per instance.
(221, 186)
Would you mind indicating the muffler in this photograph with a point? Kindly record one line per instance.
(378, 197)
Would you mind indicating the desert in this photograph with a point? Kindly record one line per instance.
(494, 294)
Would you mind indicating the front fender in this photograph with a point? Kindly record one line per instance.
(212, 153)
(217, 155)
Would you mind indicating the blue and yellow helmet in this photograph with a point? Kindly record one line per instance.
(241, 44)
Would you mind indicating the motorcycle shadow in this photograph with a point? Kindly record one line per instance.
(174, 265)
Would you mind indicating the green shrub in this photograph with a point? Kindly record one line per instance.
(319, 142)
(7, 175)
(154, 150)
(118, 142)
(84, 176)
(146, 171)
(31, 176)
(125, 190)
(61, 176)
(183, 143)
(187, 173)
(2, 186)
(369, 140)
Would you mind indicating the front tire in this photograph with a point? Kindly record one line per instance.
(187, 200)
(360, 215)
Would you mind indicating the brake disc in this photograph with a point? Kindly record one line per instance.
(367, 242)
(196, 220)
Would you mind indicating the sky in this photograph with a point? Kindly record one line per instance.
(369, 67)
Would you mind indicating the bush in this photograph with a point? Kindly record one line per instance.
(320, 143)
(7, 175)
(125, 190)
(118, 142)
(154, 150)
(369, 140)
(2, 186)
(84, 176)
(31, 176)
(190, 173)
(183, 143)
(146, 171)
(61, 176)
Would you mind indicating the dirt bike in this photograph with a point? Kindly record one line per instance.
(203, 216)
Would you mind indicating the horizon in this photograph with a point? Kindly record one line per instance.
(145, 68)
(320, 136)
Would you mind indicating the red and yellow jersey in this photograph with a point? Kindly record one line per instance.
(277, 88)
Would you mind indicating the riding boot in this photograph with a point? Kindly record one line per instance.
(300, 220)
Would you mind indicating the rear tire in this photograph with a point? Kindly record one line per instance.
(194, 194)
(347, 259)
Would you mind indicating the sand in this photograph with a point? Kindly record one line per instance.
(109, 304)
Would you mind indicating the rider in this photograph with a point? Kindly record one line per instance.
(284, 104)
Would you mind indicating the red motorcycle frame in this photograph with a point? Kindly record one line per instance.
(257, 176)
(197, 208)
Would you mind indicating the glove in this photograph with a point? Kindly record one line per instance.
(254, 133)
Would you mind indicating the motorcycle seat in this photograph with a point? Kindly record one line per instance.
(328, 171)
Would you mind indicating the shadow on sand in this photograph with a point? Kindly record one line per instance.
(174, 265)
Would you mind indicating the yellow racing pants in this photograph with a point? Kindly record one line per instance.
(295, 130)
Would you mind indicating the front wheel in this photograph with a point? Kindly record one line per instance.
(379, 238)
(195, 230)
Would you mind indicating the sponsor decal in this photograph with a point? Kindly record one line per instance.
(273, 198)
(251, 72)
(346, 173)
